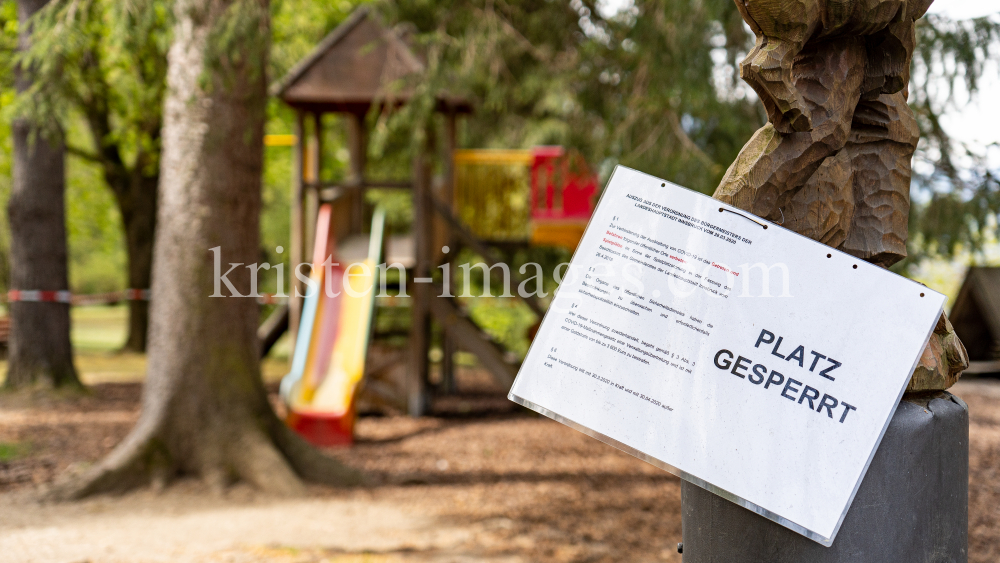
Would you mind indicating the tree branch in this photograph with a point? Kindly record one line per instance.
(84, 154)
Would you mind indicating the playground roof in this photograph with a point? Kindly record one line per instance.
(359, 63)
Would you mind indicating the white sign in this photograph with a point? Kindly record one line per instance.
(741, 356)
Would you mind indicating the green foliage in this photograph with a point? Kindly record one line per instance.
(9, 451)
(967, 45)
(506, 320)
(102, 67)
(8, 43)
(99, 67)
(647, 88)
(298, 25)
(240, 39)
(957, 195)
(651, 88)
(655, 87)
(275, 219)
(105, 60)
(97, 259)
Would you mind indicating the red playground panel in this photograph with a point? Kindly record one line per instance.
(562, 185)
(323, 429)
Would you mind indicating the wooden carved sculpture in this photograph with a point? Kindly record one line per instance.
(833, 161)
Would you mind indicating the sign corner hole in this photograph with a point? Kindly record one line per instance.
(921, 294)
(829, 255)
(855, 266)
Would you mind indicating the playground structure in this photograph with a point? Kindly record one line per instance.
(542, 196)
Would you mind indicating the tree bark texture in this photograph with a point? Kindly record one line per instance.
(39, 349)
(137, 203)
(205, 409)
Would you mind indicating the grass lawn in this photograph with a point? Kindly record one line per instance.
(98, 333)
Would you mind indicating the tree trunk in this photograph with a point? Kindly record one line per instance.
(39, 349)
(205, 410)
(138, 209)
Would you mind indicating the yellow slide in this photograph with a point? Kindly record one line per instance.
(333, 343)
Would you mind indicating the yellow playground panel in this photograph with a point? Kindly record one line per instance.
(492, 192)
(543, 196)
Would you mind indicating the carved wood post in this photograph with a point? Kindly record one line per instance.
(833, 163)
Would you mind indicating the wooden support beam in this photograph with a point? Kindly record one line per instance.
(368, 185)
(314, 165)
(474, 244)
(448, 347)
(471, 338)
(420, 318)
(297, 249)
(316, 161)
(349, 185)
(450, 144)
(357, 147)
(271, 330)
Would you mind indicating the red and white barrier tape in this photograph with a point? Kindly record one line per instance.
(136, 294)
(65, 296)
(39, 295)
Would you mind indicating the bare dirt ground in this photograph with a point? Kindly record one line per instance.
(481, 481)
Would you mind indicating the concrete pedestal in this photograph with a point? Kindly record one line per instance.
(912, 506)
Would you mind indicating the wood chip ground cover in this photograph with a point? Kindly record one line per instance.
(481, 481)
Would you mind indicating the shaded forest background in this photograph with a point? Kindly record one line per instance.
(653, 86)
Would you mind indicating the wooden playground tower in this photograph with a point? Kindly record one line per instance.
(358, 66)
